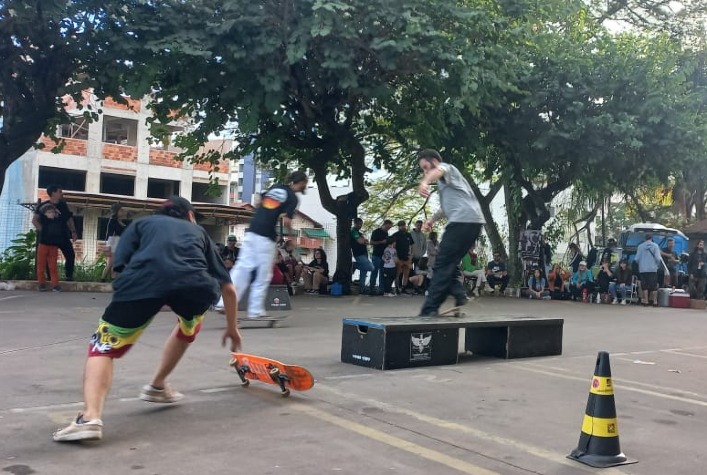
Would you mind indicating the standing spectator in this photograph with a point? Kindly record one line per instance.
(536, 286)
(649, 261)
(464, 221)
(116, 226)
(259, 243)
(379, 239)
(575, 257)
(390, 263)
(293, 261)
(66, 217)
(360, 253)
(156, 269)
(582, 283)
(419, 248)
(497, 273)
(471, 268)
(670, 258)
(403, 242)
(608, 254)
(316, 274)
(624, 282)
(49, 239)
(696, 270)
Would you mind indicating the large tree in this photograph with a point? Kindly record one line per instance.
(315, 83)
(49, 49)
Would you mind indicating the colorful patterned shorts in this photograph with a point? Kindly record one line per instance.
(123, 323)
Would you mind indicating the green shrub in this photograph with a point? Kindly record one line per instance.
(18, 260)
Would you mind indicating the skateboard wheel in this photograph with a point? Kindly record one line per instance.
(285, 393)
(233, 362)
(274, 372)
(245, 383)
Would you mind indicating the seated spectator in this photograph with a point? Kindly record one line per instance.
(496, 273)
(230, 252)
(624, 281)
(421, 279)
(604, 279)
(316, 274)
(582, 283)
(293, 262)
(470, 267)
(557, 279)
(536, 286)
(279, 271)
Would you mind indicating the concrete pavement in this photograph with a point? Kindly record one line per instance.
(483, 416)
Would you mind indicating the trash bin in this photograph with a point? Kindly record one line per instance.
(664, 297)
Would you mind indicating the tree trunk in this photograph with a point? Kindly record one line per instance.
(491, 227)
(516, 223)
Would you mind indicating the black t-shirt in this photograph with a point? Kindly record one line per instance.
(379, 234)
(496, 267)
(161, 254)
(403, 241)
(52, 233)
(228, 253)
(357, 249)
(277, 200)
(320, 265)
(64, 215)
(115, 228)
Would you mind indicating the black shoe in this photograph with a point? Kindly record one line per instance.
(428, 314)
(462, 302)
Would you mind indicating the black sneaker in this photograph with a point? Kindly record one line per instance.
(462, 302)
(428, 314)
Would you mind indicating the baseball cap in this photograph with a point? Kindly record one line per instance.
(583, 263)
(181, 205)
(231, 238)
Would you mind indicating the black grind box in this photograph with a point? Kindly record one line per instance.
(390, 346)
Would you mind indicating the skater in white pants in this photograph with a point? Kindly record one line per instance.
(258, 249)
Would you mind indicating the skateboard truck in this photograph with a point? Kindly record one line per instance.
(279, 379)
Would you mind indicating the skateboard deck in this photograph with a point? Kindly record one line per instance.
(271, 322)
(452, 312)
(287, 377)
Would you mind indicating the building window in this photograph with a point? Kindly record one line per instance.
(77, 129)
(114, 184)
(157, 188)
(69, 180)
(119, 131)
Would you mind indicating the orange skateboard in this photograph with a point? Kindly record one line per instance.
(272, 372)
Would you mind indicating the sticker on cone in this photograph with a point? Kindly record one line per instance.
(599, 441)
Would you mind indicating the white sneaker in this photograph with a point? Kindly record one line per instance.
(614, 302)
(623, 302)
(80, 429)
(598, 298)
(167, 395)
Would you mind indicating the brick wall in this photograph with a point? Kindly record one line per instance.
(71, 146)
(223, 166)
(123, 153)
(164, 158)
(134, 105)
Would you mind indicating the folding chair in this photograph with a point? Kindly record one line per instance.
(632, 290)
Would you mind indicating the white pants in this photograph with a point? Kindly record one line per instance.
(479, 274)
(257, 254)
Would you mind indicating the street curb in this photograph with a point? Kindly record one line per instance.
(101, 287)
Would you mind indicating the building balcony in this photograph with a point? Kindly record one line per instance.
(71, 146)
(121, 153)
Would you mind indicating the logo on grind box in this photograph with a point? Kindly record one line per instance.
(420, 346)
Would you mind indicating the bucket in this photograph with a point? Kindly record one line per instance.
(336, 289)
(664, 297)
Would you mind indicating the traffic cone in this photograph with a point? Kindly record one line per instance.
(599, 441)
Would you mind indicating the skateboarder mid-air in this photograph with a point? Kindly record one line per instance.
(164, 259)
(464, 221)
